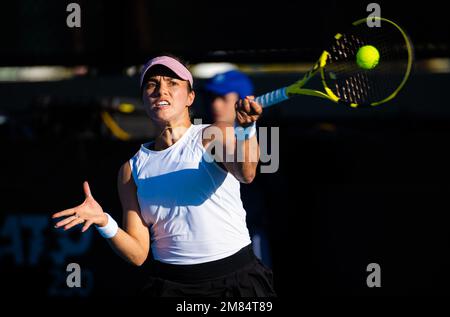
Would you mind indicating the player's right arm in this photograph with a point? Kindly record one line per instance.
(133, 241)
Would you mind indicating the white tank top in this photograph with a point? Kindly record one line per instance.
(192, 206)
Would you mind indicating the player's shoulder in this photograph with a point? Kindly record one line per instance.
(127, 167)
(201, 127)
(125, 170)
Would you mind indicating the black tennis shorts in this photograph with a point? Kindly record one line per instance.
(239, 275)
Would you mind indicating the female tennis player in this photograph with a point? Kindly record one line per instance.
(177, 199)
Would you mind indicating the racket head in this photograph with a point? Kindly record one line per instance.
(346, 82)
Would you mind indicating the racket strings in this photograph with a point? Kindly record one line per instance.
(353, 84)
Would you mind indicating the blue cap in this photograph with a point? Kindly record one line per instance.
(231, 81)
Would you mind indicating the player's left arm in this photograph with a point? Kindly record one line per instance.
(239, 157)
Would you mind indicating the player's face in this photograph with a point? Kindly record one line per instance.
(223, 107)
(166, 98)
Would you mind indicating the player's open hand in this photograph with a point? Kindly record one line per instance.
(89, 212)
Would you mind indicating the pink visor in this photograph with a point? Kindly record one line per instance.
(170, 63)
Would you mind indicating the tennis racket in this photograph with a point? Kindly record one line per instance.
(344, 81)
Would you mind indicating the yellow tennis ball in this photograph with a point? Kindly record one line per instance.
(367, 57)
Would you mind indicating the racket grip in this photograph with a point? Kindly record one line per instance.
(272, 98)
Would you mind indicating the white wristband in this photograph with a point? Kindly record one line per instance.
(244, 133)
(110, 230)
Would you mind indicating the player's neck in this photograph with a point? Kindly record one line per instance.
(170, 133)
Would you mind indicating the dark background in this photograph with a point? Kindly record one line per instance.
(353, 187)
(115, 34)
